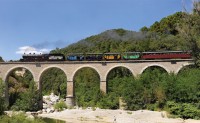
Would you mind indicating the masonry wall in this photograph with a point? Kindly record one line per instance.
(103, 68)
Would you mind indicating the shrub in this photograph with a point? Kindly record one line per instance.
(28, 101)
(60, 105)
(183, 110)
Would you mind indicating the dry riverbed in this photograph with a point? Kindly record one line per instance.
(113, 116)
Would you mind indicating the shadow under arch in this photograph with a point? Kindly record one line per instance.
(16, 67)
(120, 66)
(154, 65)
(86, 86)
(53, 79)
(49, 67)
(85, 66)
(185, 66)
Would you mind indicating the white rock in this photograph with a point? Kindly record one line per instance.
(45, 106)
(46, 97)
(54, 98)
(48, 110)
(44, 111)
(48, 103)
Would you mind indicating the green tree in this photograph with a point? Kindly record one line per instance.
(54, 80)
(2, 97)
(167, 25)
(187, 86)
(87, 87)
(18, 84)
(144, 29)
(153, 82)
(133, 95)
(29, 100)
(190, 29)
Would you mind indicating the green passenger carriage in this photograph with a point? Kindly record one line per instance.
(131, 55)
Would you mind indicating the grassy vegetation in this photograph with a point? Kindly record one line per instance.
(60, 106)
(19, 118)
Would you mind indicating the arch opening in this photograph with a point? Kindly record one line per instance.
(53, 80)
(87, 87)
(186, 68)
(117, 80)
(153, 76)
(154, 80)
(154, 67)
(117, 73)
(21, 88)
(187, 85)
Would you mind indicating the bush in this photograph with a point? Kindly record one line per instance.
(60, 105)
(109, 101)
(28, 101)
(184, 110)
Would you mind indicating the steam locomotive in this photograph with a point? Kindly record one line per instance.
(107, 56)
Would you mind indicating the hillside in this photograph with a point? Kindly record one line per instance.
(120, 40)
(163, 35)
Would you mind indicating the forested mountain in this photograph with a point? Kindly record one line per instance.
(120, 40)
(163, 35)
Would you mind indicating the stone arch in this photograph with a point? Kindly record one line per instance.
(15, 67)
(57, 87)
(110, 69)
(5, 79)
(47, 68)
(182, 66)
(85, 66)
(154, 65)
(80, 70)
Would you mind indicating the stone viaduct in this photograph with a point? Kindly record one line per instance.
(101, 67)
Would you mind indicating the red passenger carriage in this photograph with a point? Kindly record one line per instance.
(167, 55)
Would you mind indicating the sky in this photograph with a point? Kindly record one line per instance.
(43, 25)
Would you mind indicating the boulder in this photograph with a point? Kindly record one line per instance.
(45, 106)
(48, 103)
(54, 98)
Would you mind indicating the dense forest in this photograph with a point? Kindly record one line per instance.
(155, 89)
